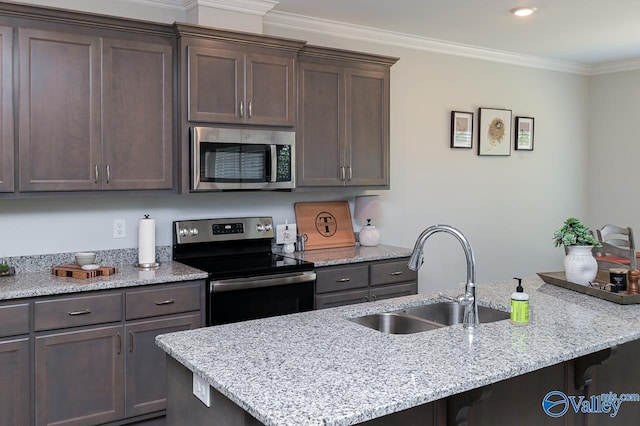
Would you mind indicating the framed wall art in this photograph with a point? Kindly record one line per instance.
(524, 133)
(494, 131)
(461, 129)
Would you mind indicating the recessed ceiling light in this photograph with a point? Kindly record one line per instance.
(523, 11)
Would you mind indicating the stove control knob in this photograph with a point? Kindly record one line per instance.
(268, 227)
(259, 227)
(193, 231)
(183, 232)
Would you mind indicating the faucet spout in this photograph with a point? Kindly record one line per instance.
(468, 299)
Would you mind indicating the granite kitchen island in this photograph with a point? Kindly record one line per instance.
(319, 368)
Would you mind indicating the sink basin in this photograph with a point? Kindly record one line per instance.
(451, 313)
(425, 318)
(395, 323)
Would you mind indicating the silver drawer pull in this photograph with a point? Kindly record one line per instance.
(396, 273)
(165, 302)
(85, 312)
(343, 280)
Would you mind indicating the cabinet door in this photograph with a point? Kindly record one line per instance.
(270, 89)
(14, 392)
(215, 85)
(390, 291)
(79, 377)
(137, 115)
(320, 140)
(145, 366)
(367, 127)
(6, 110)
(59, 120)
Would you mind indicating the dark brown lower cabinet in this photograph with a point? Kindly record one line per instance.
(14, 376)
(79, 377)
(146, 382)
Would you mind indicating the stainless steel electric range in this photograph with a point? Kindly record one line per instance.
(246, 279)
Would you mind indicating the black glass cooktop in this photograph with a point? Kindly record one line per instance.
(219, 267)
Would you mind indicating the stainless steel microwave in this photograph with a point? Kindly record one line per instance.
(236, 159)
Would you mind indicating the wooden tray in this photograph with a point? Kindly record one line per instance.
(559, 279)
(76, 271)
(327, 224)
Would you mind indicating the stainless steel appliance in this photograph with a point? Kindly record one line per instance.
(236, 159)
(246, 280)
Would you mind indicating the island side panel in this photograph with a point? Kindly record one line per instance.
(184, 408)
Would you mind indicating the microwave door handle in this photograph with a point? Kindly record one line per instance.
(274, 163)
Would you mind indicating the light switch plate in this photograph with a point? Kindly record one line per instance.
(201, 390)
(284, 235)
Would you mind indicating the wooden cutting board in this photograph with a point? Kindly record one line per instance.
(327, 224)
(76, 271)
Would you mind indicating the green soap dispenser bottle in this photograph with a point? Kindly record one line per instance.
(519, 305)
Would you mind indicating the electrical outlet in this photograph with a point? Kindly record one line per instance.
(284, 235)
(201, 390)
(119, 228)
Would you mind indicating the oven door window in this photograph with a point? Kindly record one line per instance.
(220, 162)
(242, 305)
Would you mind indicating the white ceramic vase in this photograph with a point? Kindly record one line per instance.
(580, 266)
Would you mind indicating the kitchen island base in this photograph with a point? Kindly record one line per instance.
(514, 401)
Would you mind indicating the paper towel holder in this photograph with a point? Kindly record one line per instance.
(149, 265)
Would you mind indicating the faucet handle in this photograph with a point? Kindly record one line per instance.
(463, 299)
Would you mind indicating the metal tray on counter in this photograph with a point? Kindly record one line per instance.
(559, 279)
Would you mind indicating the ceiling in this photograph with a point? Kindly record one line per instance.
(588, 32)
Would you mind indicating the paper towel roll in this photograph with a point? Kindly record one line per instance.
(147, 241)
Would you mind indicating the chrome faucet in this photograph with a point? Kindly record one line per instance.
(468, 299)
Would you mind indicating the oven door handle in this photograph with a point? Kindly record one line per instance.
(235, 284)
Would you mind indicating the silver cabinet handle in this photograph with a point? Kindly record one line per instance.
(165, 302)
(119, 350)
(366, 299)
(97, 173)
(241, 109)
(84, 312)
(130, 342)
(108, 173)
(343, 280)
(250, 108)
(374, 298)
(350, 173)
(342, 173)
(396, 273)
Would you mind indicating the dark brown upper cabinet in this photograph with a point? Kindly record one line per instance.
(238, 78)
(95, 112)
(6, 110)
(343, 118)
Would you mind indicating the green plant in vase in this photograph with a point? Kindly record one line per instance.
(579, 264)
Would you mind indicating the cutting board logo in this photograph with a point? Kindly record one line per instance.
(326, 224)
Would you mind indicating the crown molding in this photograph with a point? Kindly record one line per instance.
(618, 66)
(252, 7)
(357, 32)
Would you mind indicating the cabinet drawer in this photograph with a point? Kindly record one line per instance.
(162, 301)
(341, 299)
(14, 319)
(397, 290)
(77, 311)
(391, 272)
(341, 278)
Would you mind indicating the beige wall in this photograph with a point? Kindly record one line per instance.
(507, 206)
(614, 154)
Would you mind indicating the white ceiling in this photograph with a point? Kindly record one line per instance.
(588, 32)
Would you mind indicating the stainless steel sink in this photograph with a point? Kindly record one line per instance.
(451, 313)
(395, 323)
(425, 318)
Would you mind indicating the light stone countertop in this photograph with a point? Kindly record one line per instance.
(346, 255)
(318, 368)
(43, 283)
